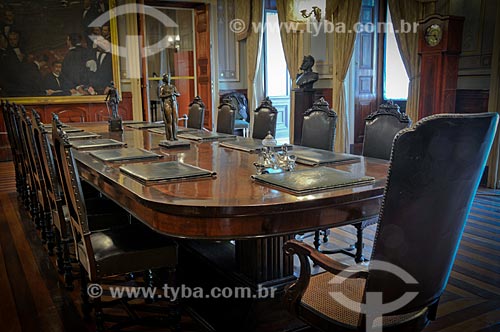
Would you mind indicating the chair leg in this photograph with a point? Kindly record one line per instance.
(59, 252)
(176, 313)
(99, 315)
(83, 293)
(358, 257)
(316, 242)
(49, 231)
(68, 268)
(326, 233)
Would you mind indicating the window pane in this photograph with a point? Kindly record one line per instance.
(276, 71)
(395, 77)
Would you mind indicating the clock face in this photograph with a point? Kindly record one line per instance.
(433, 34)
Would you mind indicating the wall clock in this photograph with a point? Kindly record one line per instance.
(433, 35)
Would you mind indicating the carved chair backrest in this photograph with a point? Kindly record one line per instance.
(380, 128)
(46, 159)
(435, 171)
(20, 148)
(225, 117)
(265, 119)
(31, 155)
(319, 126)
(196, 113)
(72, 189)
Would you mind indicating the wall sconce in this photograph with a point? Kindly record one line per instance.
(316, 11)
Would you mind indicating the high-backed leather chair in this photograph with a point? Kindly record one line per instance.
(118, 250)
(318, 132)
(433, 177)
(196, 113)
(225, 117)
(318, 126)
(380, 128)
(265, 118)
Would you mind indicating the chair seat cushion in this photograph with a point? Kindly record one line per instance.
(318, 298)
(241, 124)
(131, 248)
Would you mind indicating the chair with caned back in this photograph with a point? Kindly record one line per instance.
(196, 113)
(434, 173)
(265, 120)
(225, 117)
(131, 247)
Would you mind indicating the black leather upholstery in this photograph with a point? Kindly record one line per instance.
(380, 128)
(196, 113)
(318, 127)
(96, 248)
(435, 171)
(265, 119)
(130, 249)
(433, 177)
(225, 117)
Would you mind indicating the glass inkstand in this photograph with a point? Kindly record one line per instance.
(272, 160)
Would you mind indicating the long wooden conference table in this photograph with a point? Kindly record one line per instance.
(230, 206)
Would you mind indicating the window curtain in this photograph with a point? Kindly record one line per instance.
(343, 47)
(409, 11)
(251, 12)
(494, 106)
(293, 48)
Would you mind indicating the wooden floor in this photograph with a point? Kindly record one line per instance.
(32, 297)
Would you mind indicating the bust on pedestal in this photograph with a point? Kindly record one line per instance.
(304, 95)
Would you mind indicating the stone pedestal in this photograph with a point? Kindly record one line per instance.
(304, 100)
(115, 124)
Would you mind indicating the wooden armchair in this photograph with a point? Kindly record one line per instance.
(108, 252)
(435, 171)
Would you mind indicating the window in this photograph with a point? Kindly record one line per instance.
(277, 80)
(395, 77)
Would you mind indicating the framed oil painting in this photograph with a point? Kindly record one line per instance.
(53, 51)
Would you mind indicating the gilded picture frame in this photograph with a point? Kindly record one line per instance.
(46, 30)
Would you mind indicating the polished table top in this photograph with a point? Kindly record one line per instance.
(232, 205)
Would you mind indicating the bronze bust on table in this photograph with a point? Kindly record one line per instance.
(307, 78)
